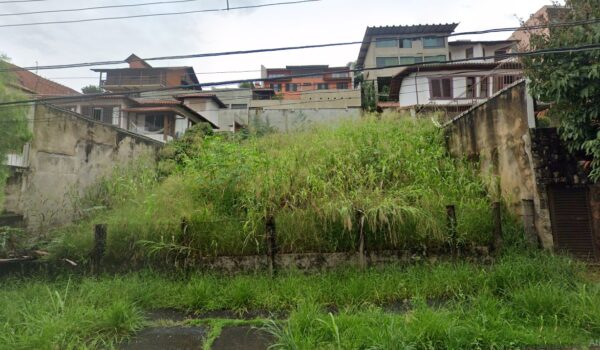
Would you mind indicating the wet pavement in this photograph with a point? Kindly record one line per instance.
(167, 338)
(242, 338)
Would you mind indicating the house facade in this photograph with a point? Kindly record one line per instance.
(141, 75)
(545, 15)
(314, 77)
(391, 46)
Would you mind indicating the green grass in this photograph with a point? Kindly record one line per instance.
(390, 178)
(521, 300)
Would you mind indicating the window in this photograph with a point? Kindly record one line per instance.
(499, 53)
(341, 86)
(434, 42)
(97, 114)
(155, 122)
(276, 87)
(322, 86)
(386, 61)
(275, 75)
(469, 53)
(239, 106)
(470, 87)
(306, 84)
(291, 87)
(406, 43)
(116, 115)
(438, 58)
(484, 87)
(410, 60)
(500, 82)
(386, 42)
(440, 88)
(340, 75)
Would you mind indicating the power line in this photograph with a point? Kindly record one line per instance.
(157, 14)
(231, 82)
(301, 47)
(17, 1)
(96, 8)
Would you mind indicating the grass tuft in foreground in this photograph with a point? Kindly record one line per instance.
(521, 300)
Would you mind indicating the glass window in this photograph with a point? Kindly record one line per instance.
(386, 61)
(406, 43)
(484, 87)
(438, 58)
(386, 42)
(440, 88)
(411, 60)
(291, 87)
(499, 55)
(97, 114)
(239, 106)
(434, 42)
(341, 86)
(276, 87)
(155, 122)
(340, 75)
(322, 86)
(469, 53)
(470, 87)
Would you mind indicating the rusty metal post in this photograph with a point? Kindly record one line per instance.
(451, 217)
(271, 233)
(99, 247)
(497, 220)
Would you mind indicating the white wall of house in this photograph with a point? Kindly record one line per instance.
(207, 108)
(416, 90)
(459, 52)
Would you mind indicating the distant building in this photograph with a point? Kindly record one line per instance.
(391, 46)
(317, 77)
(141, 75)
(545, 15)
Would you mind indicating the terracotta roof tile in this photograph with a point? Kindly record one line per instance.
(40, 86)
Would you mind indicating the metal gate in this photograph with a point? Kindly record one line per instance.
(571, 221)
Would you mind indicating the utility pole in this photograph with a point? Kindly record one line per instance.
(227, 5)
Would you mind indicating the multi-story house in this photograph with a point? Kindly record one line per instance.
(291, 81)
(391, 46)
(141, 75)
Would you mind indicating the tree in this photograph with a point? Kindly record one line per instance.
(91, 89)
(14, 131)
(571, 81)
(245, 85)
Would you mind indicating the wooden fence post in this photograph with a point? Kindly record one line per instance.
(497, 220)
(271, 233)
(451, 217)
(362, 244)
(99, 247)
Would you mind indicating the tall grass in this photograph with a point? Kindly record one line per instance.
(389, 178)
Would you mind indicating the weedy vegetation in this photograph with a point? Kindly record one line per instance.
(390, 178)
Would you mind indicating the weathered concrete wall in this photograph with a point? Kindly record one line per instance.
(497, 134)
(68, 154)
(286, 120)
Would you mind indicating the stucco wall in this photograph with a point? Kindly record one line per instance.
(497, 135)
(68, 154)
(286, 120)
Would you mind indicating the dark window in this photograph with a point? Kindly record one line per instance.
(322, 86)
(470, 87)
(97, 114)
(502, 81)
(155, 122)
(341, 86)
(386, 61)
(239, 106)
(484, 87)
(434, 42)
(469, 53)
(306, 84)
(276, 87)
(441, 88)
(498, 55)
(411, 59)
(406, 43)
(386, 42)
(291, 87)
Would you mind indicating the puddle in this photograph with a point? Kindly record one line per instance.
(242, 338)
(170, 338)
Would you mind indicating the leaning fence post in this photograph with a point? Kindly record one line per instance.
(497, 220)
(451, 216)
(270, 231)
(99, 247)
(361, 240)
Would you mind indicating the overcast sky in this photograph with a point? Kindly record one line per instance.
(288, 25)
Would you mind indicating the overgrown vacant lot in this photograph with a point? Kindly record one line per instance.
(521, 300)
(390, 178)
